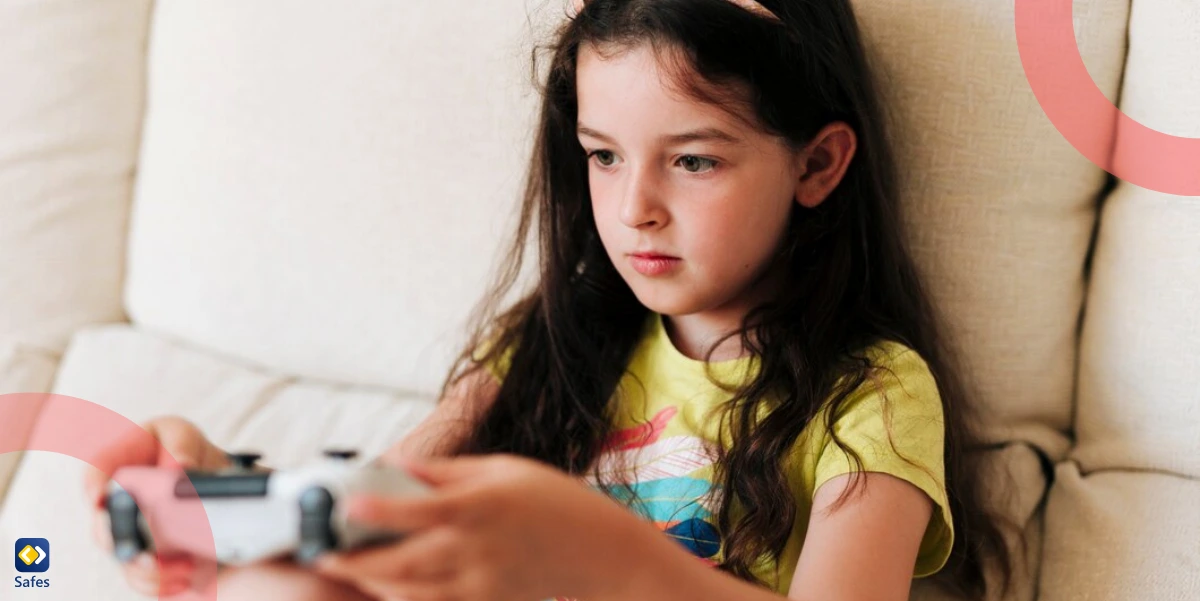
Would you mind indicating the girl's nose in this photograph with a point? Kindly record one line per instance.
(641, 206)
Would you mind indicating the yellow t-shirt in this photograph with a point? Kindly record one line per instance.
(666, 426)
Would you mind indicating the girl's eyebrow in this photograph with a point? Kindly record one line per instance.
(704, 134)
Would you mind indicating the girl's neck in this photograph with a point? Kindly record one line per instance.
(694, 333)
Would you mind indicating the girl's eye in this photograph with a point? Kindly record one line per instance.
(604, 157)
(695, 164)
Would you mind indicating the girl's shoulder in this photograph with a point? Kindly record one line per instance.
(887, 351)
(895, 360)
(897, 373)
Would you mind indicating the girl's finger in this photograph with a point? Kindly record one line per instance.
(138, 450)
(142, 574)
(167, 442)
(444, 471)
(156, 587)
(176, 568)
(424, 557)
(94, 483)
(142, 567)
(403, 514)
(102, 530)
(151, 576)
(388, 590)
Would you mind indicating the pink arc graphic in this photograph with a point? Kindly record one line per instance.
(1076, 105)
(88, 432)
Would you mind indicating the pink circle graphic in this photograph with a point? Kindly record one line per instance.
(89, 432)
(1075, 105)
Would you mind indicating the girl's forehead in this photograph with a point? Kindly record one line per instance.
(639, 64)
(655, 88)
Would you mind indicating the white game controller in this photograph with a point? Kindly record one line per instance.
(254, 513)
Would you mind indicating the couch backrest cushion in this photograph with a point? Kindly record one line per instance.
(322, 187)
(1139, 379)
(71, 88)
(321, 190)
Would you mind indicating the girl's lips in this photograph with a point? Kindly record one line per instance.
(654, 265)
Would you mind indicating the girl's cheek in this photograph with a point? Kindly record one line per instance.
(601, 209)
(598, 188)
(713, 224)
(721, 236)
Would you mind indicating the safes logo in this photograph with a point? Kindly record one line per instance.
(32, 555)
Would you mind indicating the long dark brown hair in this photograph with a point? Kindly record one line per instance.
(850, 279)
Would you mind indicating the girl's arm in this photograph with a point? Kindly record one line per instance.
(507, 527)
(446, 426)
(866, 550)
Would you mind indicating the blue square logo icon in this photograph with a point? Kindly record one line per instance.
(32, 554)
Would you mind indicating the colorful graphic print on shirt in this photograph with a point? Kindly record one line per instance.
(662, 484)
(663, 487)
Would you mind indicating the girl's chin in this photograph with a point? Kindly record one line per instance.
(665, 299)
(676, 298)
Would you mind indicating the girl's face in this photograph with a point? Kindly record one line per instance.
(690, 202)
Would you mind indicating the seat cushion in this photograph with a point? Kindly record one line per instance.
(141, 375)
(1121, 536)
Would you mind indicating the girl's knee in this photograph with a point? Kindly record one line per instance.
(280, 580)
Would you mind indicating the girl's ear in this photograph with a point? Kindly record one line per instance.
(823, 162)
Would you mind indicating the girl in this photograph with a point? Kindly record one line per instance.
(727, 382)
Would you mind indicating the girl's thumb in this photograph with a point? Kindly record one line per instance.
(435, 472)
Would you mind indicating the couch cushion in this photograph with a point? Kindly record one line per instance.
(70, 116)
(322, 188)
(1161, 90)
(1121, 536)
(1001, 208)
(71, 73)
(1017, 491)
(1138, 406)
(141, 375)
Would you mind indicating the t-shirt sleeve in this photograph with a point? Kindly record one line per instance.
(497, 365)
(905, 403)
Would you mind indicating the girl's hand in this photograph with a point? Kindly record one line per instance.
(496, 528)
(173, 442)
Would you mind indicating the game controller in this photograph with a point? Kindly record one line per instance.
(255, 513)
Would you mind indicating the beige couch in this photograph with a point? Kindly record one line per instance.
(273, 218)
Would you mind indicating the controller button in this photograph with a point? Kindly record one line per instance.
(244, 460)
(316, 502)
(316, 524)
